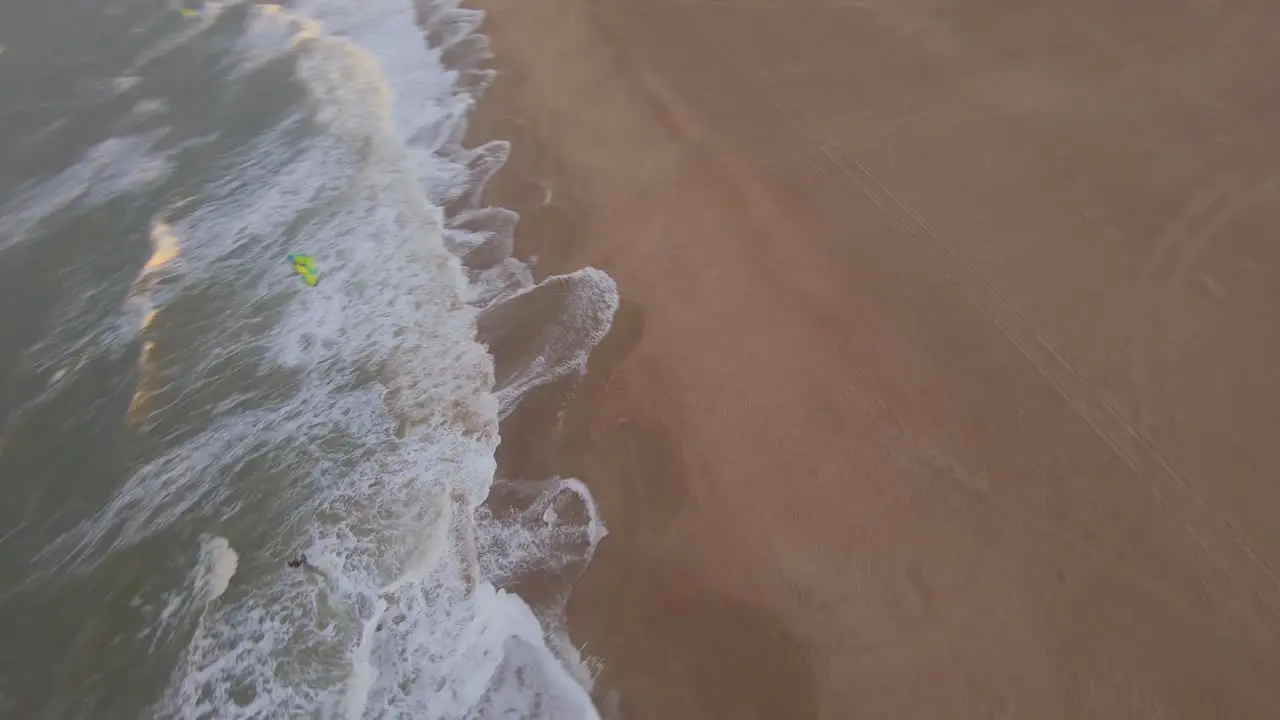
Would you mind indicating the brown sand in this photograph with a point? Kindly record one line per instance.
(945, 382)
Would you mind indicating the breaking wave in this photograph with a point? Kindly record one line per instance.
(355, 422)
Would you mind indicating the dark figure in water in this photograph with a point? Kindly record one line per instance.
(302, 562)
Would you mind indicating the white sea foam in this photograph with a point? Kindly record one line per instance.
(367, 430)
(193, 28)
(150, 106)
(580, 312)
(113, 167)
(218, 563)
(83, 326)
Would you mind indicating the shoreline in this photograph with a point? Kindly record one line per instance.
(669, 641)
(836, 482)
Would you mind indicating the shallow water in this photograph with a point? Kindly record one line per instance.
(181, 414)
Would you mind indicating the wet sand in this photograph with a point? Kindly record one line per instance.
(944, 383)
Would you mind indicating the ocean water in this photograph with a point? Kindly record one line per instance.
(180, 414)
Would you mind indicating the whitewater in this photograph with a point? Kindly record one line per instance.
(355, 422)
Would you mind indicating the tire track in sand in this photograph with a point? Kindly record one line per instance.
(1216, 536)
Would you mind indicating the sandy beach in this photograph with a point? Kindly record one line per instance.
(944, 380)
